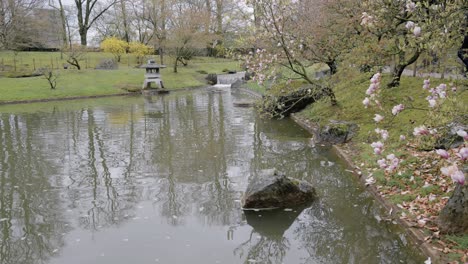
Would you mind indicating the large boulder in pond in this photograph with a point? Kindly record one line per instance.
(271, 189)
(454, 216)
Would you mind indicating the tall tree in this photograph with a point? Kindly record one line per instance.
(88, 12)
(125, 20)
(63, 19)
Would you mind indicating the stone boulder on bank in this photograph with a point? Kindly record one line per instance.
(271, 189)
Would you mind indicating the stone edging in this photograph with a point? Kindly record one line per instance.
(416, 235)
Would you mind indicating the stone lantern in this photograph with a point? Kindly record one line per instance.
(152, 74)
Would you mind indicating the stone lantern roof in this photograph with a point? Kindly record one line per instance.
(152, 65)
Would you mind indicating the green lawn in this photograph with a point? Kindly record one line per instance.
(90, 82)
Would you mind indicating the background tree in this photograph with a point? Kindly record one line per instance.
(187, 33)
(88, 11)
(140, 50)
(287, 48)
(63, 19)
(115, 46)
(406, 29)
(16, 22)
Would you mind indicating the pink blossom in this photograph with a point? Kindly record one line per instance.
(410, 6)
(384, 134)
(417, 31)
(454, 173)
(421, 130)
(372, 89)
(377, 144)
(463, 154)
(402, 137)
(377, 151)
(432, 103)
(394, 162)
(427, 84)
(397, 109)
(366, 19)
(458, 177)
(442, 153)
(366, 102)
(378, 118)
(382, 163)
(376, 78)
(463, 134)
(409, 25)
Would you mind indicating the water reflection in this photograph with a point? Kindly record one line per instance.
(79, 179)
(267, 242)
(31, 219)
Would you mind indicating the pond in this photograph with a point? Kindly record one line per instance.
(159, 180)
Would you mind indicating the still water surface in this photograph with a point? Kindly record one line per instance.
(159, 179)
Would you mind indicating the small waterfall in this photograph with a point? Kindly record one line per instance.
(228, 79)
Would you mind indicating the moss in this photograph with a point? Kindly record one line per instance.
(398, 199)
(460, 241)
(338, 129)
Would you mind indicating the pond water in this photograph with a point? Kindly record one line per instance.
(158, 180)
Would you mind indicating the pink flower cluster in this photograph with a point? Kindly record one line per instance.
(456, 174)
(421, 131)
(438, 94)
(462, 155)
(411, 26)
(378, 147)
(390, 164)
(366, 19)
(410, 6)
(382, 132)
(372, 91)
(397, 109)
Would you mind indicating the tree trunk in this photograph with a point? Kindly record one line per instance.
(400, 67)
(454, 217)
(396, 76)
(83, 37)
(163, 32)
(219, 18)
(64, 24)
(175, 64)
(125, 21)
(333, 67)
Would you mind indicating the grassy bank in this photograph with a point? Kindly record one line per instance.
(417, 187)
(91, 82)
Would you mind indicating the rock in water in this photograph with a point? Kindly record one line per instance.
(271, 189)
(454, 217)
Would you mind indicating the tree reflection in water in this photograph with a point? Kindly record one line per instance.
(31, 219)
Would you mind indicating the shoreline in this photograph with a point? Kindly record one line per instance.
(95, 96)
(415, 234)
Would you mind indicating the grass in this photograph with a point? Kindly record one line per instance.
(419, 174)
(90, 82)
(350, 91)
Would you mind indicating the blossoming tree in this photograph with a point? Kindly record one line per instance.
(405, 29)
(291, 36)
